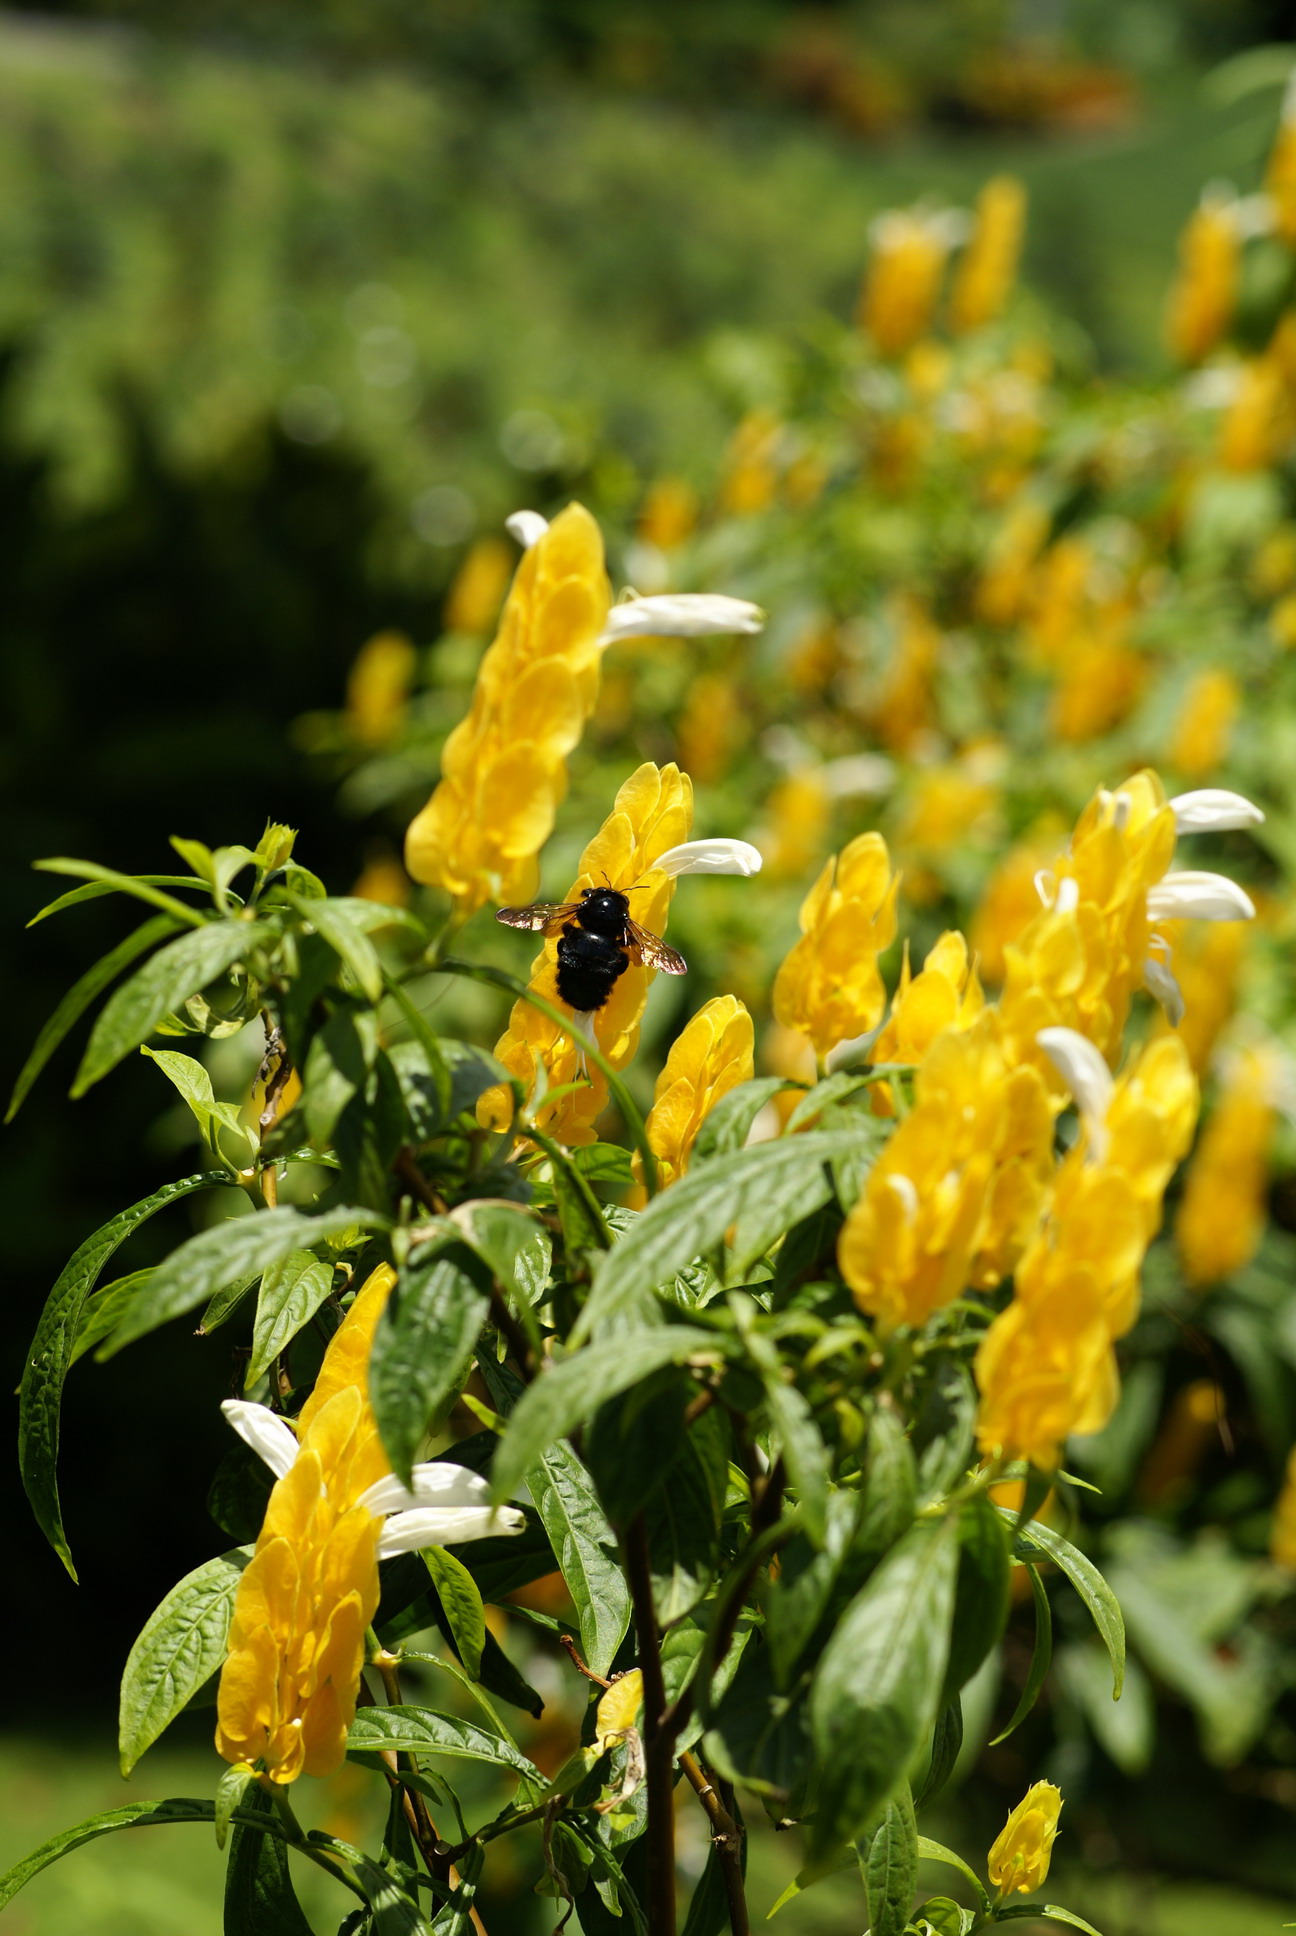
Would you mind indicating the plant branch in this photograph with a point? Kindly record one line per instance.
(659, 1736)
(727, 1835)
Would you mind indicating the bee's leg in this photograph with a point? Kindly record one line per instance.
(582, 1031)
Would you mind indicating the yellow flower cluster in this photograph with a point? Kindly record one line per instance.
(1204, 297)
(503, 768)
(957, 1191)
(653, 812)
(378, 686)
(1221, 1214)
(829, 987)
(296, 1645)
(711, 1056)
(1045, 1368)
(988, 266)
(902, 284)
(945, 994)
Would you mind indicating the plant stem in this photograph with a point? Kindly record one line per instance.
(659, 1737)
(727, 1836)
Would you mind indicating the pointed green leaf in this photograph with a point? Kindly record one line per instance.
(106, 880)
(1050, 1912)
(876, 1691)
(226, 1252)
(424, 1730)
(259, 1896)
(564, 1497)
(930, 1851)
(291, 1292)
(567, 1393)
(336, 924)
(1041, 1656)
(174, 973)
(726, 1127)
(762, 1190)
(181, 1646)
(424, 1344)
(461, 1603)
(104, 1311)
(40, 1395)
(891, 1867)
(1089, 1583)
(195, 1084)
(179, 1809)
(78, 999)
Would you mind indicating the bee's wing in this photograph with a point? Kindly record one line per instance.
(545, 916)
(653, 952)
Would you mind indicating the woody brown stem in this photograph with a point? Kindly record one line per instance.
(659, 1737)
(727, 1836)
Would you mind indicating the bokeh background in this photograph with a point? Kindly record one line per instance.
(296, 305)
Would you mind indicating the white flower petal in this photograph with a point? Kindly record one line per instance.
(1187, 895)
(684, 615)
(907, 1191)
(871, 774)
(1214, 810)
(411, 1532)
(526, 527)
(1086, 1074)
(271, 1437)
(1159, 980)
(709, 857)
(437, 1483)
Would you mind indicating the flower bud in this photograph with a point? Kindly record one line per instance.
(1019, 1860)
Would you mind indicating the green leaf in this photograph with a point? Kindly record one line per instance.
(797, 1600)
(336, 924)
(424, 1730)
(133, 1815)
(564, 1497)
(891, 1867)
(233, 1790)
(501, 1233)
(195, 1085)
(174, 973)
(462, 1604)
(224, 1253)
(567, 1393)
(982, 1598)
(181, 1646)
(78, 999)
(930, 1851)
(424, 1345)
(942, 1916)
(106, 880)
(259, 1896)
(103, 1312)
(1041, 1656)
(291, 1292)
(1051, 1913)
(877, 1689)
(708, 1910)
(762, 1190)
(40, 1396)
(726, 1127)
(804, 1451)
(682, 1518)
(1089, 1583)
(947, 1740)
(392, 1911)
(225, 1302)
(890, 1483)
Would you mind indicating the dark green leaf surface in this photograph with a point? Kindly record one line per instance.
(227, 1252)
(878, 1685)
(259, 1896)
(424, 1730)
(291, 1292)
(336, 922)
(982, 1599)
(891, 1868)
(174, 973)
(134, 1815)
(726, 1127)
(564, 1497)
(181, 1646)
(762, 1190)
(1041, 1657)
(569, 1392)
(1090, 1585)
(461, 1603)
(40, 1395)
(78, 999)
(106, 880)
(424, 1345)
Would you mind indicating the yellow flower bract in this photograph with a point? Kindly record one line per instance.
(711, 1056)
(1018, 1861)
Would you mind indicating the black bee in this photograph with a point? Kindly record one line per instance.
(597, 941)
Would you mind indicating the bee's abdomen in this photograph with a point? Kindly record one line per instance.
(588, 967)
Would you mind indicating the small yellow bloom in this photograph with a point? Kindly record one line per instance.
(378, 688)
(384, 880)
(1257, 423)
(1058, 600)
(988, 268)
(902, 284)
(1019, 1860)
(1204, 297)
(711, 728)
(474, 599)
(751, 478)
(669, 513)
(653, 812)
(829, 987)
(946, 993)
(1282, 1540)
(1223, 1209)
(711, 1056)
(503, 768)
(797, 817)
(1203, 725)
(1098, 685)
